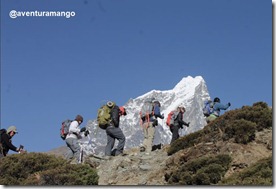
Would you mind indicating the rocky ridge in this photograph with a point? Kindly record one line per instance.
(137, 168)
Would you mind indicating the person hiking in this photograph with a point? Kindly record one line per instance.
(114, 132)
(178, 123)
(149, 122)
(6, 141)
(216, 109)
(72, 138)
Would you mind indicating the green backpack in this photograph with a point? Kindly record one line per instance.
(104, 115)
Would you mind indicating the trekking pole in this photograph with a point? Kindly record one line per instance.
(81, 155)
(89, 139)
(186, 130)
(81, 151)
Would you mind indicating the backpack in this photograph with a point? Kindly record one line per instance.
(208, 108)
(171, 117)
(2, 131)
(147, 110)
(104, 116)
(64, 130)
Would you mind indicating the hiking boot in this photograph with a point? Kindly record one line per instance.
(122, 154)
(142, 149)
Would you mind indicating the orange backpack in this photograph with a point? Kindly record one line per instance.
(171, 117)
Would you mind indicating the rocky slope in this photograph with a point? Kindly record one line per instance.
(136, 168)
(240, 138)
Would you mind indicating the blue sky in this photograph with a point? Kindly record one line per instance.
(53, 68)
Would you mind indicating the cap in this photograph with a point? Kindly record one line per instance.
(12, 128)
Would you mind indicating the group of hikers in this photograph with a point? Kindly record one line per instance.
(108, 119)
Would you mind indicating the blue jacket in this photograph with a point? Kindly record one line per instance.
(157, 112)
(219, 106)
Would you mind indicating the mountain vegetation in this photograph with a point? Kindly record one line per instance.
(207, 155)
(239, 125)
(43, 169)
(234, 149)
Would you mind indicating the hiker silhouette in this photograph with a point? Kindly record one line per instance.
(72, 138)
(6, 141)
(114, 132)
(216, 109)
(148, 122)
(178, 123)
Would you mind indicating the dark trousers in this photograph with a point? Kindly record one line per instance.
(112, 134)
(175, 135)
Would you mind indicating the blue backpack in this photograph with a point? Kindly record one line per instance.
(208, 108)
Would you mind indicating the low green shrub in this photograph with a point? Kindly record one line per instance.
(242, 131)
(43, 169)
(184, 142)
(259, 113)
(201, 171)
(259, 174)
(201, 179)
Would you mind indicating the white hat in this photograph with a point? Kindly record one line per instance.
(12, 128)
(181, 105)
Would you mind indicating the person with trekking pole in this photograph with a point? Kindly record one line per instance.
(72, 140)
(216, 109)
(6, 141)
(178, 123)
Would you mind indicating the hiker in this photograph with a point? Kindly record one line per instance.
(148, 123)
(6, 142)
(72, 139)
(216, 109)
(178, 123)
(113, 131)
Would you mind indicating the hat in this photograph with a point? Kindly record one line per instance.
(216, 99)
(79, 118)
(12, 128)
(181, 105)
